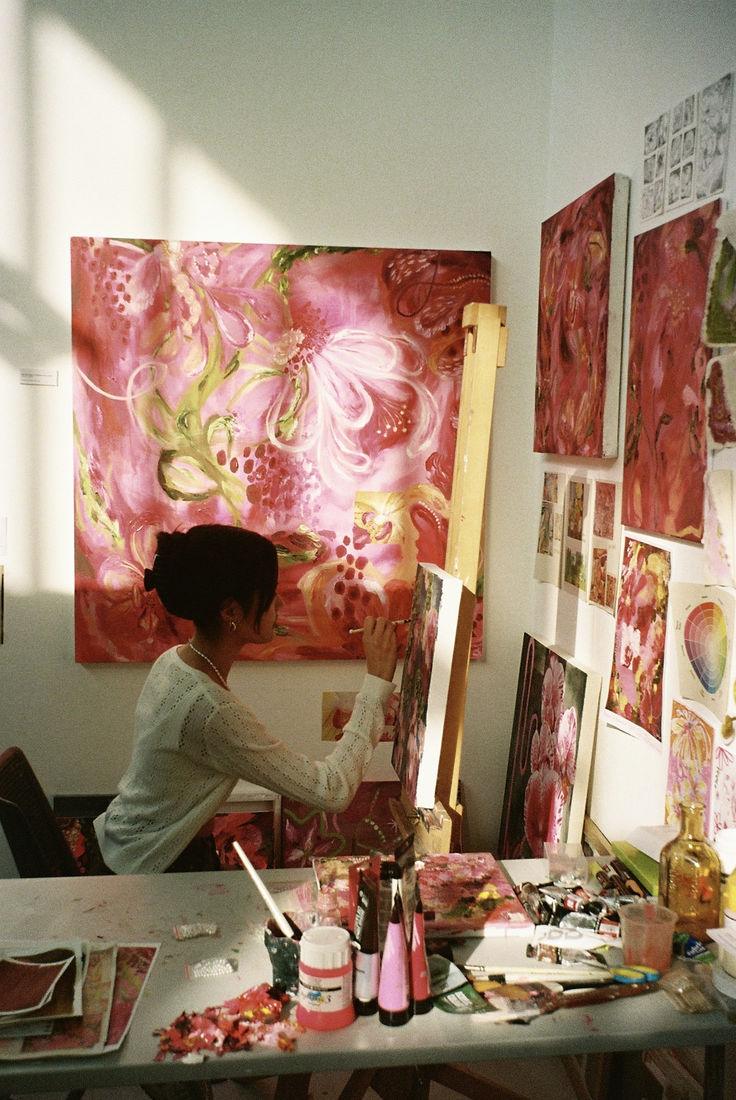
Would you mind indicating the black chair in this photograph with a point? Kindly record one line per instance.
(34, 836)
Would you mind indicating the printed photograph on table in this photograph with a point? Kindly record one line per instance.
(310, 393)
(634, 700)
(548, 559)
(579, 328)
(666, 447)
(605, 545)
(552, 741)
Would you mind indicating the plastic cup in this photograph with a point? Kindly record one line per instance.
(567, 863)
(647, 931)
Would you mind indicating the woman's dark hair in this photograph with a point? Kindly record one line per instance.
(196, 571)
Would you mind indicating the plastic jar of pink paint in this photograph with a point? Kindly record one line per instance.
(325, 996)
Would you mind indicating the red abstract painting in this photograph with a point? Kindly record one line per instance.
(309, 393)
(666, 445)
(581, 284)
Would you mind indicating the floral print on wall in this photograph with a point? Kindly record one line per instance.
(551, 749)
(635, 688)
(309, 393)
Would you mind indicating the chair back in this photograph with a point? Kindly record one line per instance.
(34, 836)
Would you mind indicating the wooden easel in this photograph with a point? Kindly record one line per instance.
(486, 341)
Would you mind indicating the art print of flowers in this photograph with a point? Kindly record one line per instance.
(666, 445)
(550, 743)
(690, 765)
(579, 323)
(309, 393)
(635, 689)
(724, 790)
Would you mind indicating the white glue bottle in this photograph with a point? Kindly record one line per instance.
(325, 995)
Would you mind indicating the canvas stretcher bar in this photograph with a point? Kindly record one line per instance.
(486, 341)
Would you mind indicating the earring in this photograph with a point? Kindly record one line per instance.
(233, 626)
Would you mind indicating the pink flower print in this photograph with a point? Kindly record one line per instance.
(543, 803)
(553, 688)
(567, 736)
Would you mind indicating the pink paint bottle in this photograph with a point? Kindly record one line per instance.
(325, 995)
(394, 993)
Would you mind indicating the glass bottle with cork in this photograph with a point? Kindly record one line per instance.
(690, 875)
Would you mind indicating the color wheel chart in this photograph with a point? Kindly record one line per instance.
(704, 627)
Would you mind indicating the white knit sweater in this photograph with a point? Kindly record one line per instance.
(194, 740)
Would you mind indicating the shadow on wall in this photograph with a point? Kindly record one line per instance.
(30, 332)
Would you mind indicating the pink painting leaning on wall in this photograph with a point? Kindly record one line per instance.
(581, 289)
(310, 393)
(665, 457)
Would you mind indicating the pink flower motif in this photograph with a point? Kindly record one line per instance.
(543, 804)
(567, 737)
(553, 688)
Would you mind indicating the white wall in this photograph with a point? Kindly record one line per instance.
(457, 124)
(615, 68)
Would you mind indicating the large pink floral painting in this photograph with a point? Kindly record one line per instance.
(635, 688)
(666, 445)
(551, 750)
(309, 393)
(581, 289)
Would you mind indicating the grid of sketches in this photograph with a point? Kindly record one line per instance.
(686, 150)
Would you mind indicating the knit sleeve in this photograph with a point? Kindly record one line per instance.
(235, 742)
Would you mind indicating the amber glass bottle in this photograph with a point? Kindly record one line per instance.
(690, 875)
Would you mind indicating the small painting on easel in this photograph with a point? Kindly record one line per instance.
(438, 601)
(550, 755)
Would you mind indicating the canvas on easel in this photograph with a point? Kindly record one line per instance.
(550, 754)
(441, 614)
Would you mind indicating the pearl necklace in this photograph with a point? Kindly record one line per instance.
(212, 664)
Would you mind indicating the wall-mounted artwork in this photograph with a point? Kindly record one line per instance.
(309, 393)
(719, 323)
(704, 620)
(548, 559)
(665, 452)
(576, 541)
(635, 689)
(690, 767)
(605, 545)
(719, 528)
(579, 329)
(439, 618)
(551, 749)
(720, 403)
(685, 150)
(724, 789)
